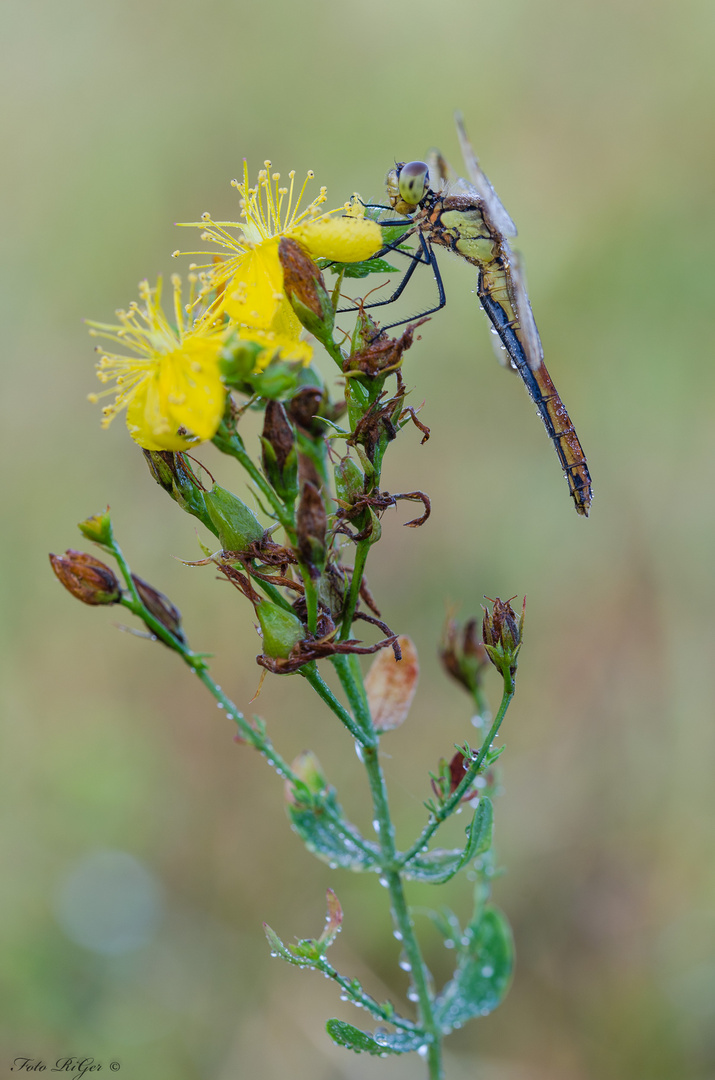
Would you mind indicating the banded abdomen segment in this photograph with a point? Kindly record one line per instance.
(543, 393)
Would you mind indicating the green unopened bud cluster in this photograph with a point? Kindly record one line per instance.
(502, 631)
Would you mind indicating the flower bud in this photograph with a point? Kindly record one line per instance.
(88, 579)
(303, 408)
(237, 526)
(98, 527)
(170, 472)
(502, 632)
(280, 459)
(238, 360)
(281, 629)
(305, 288)
(160, 607)
(464, 660)
(277, 381)
(308, 770)
(311, 525)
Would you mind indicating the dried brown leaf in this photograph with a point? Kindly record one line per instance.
(391, 685)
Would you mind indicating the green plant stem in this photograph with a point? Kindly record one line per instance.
(401, 915)
(361, 552)
(364, 999)
(231, 443)
(311, 675)
(311, 597)
(481, 702)
(450, 804)
(355, 693)
(254, 736)
(274, 594)
(333, 351)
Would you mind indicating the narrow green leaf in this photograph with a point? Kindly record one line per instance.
(440, 865)
(326, 832)
(481, 979)
(377, 1043)
(279, 949)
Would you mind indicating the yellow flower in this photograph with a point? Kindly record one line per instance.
(250, 278)
(170, 387)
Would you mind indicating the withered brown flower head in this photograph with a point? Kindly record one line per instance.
(88, 579)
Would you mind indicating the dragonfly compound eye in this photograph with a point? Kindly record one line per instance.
(413, 179)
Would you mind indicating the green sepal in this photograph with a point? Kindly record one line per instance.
(483, 971)
(440, 865)
(320, 326)
(327, 834)
(364, 1042)
(237, 526)
(376, 528)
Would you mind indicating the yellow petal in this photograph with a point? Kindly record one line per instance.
(184, 391)
(254, 292)
(278, 347)
(285, 322)
(344, 239)
(144, 421)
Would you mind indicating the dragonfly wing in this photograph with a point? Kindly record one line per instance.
(440, 171)
(520, 299)
(497, 214)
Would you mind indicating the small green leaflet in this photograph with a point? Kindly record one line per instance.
(358, 270)
(440, 865)
(482, 976)
(352, 1038)
(329, 835)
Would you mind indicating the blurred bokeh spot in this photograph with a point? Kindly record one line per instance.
(109, 903)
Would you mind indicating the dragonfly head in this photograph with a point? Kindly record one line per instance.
(407, 185)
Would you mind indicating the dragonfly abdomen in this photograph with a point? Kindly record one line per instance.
(543, 393)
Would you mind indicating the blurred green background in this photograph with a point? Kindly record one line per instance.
(594, 121)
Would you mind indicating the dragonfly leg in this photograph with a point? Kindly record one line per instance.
(417, 260)
(431, 260)
(383, 206)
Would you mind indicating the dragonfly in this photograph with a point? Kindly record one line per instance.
(466, 217)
